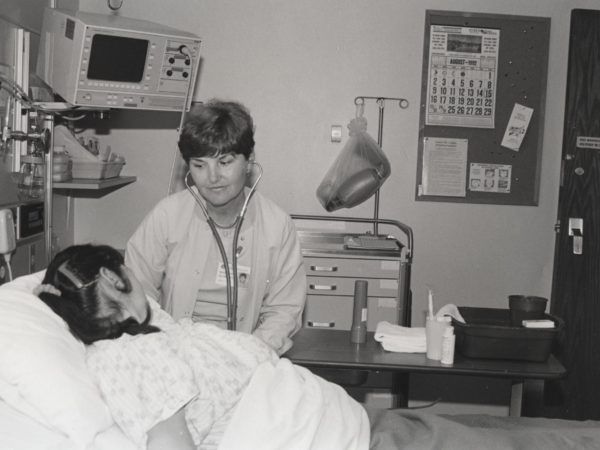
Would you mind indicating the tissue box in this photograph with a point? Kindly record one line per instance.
(97, 169)
(488, 334)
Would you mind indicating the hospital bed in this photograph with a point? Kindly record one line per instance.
(48, 400)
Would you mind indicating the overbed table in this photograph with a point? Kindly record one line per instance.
(332, 349)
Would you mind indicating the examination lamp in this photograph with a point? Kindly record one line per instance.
(355, 190)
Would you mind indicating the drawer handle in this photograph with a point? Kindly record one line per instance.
(323, 287)
(324, 268)
(312, 324)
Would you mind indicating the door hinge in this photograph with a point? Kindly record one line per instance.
(557, 226)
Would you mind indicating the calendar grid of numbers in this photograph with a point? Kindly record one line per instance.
(461, 85)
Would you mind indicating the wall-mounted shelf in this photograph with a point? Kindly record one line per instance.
(94, 184)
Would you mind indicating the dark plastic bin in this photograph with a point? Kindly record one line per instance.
(488, 334)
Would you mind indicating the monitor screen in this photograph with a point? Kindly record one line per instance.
(117, 58)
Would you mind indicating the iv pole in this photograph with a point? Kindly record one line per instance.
(403, 104)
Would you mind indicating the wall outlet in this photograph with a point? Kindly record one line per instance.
(8, 242)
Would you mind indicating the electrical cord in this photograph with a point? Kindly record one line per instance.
(185, 51)
(18, 93)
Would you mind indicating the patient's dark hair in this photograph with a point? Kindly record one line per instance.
(74, 272)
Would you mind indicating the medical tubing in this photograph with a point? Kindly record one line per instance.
(232, 292)
(236, 235)
(215, 232)
(230, 319)
(234, 271)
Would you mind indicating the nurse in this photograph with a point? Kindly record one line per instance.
(175, 254)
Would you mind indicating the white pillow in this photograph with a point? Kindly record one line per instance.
(42, 366)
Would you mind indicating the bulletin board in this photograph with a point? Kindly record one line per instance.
(482, 108)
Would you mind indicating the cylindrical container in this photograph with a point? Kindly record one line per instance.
(448, 346)
(31, 177)
(61, 165)
(434, 335)
(526, 307)
(358, 332)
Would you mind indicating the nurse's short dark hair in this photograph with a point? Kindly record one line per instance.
(217, 128)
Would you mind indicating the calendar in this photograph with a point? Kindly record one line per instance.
(462, 74)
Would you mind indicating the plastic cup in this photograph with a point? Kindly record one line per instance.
(434, 335)
(526, 307)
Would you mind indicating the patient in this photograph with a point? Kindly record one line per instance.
(170, 384)
(181, 385)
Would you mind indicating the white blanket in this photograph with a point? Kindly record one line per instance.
(287, 406)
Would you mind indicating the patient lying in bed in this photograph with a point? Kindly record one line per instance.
(155, 373)
(195, 385)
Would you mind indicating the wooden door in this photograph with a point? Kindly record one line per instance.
(576, 283)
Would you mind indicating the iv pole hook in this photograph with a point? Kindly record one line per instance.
(403, 104)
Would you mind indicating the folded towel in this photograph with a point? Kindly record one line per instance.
(395, 338)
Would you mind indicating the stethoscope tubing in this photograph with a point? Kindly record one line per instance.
(231, 288)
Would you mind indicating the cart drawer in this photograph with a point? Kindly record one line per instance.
(335, 312)
(351, 267)
(345, 286)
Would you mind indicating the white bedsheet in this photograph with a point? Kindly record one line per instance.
(20, 432)
(288, 407)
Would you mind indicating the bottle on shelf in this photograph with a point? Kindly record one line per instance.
(61, 165)
(358, 332)
(448, 343)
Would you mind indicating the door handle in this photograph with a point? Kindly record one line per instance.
(576, 230)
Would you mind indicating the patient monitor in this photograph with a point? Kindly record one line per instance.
(97, 60)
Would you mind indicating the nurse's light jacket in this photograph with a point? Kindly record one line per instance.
(168, 254)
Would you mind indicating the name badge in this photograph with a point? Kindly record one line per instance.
(243, 273)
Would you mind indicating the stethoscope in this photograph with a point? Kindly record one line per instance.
(232, 288)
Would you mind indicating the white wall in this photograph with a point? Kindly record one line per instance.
(298, 66)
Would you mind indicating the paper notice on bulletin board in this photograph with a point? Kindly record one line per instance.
(463, 68)
(444, 166)
(490, 178)
(517, 127)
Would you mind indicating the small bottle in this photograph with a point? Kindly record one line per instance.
(358, 332)
(448, 342)
(61, 165)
